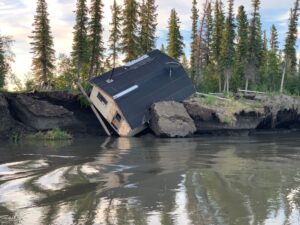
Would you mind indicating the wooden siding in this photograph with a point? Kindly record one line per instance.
(109, 110)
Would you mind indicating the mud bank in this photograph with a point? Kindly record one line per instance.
(27, 113)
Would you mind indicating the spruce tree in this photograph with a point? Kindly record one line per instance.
(274, 45)
(227, 46)
(130, 45)
(290, 58)
(255, 44)
(81, 51)
(241, 48)
(3, 64)
(298, 68)
(42, 47)
(175, 40)
(273, 62)
(263, 71)
(162, 48)
(185, 63)
(265, 42)
(291, 39)
(208, 34)
(217, 37)
(6, 58)
(115, 33)
(203, 44)
(194, 17)
(65, 78)
(148, 23)
(96, 42)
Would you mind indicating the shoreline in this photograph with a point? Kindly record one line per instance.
(30, 113)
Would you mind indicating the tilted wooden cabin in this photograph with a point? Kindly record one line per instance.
(124, 95)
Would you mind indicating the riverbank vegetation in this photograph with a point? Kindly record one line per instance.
(51, 135)
(227, 51)
(227, 108)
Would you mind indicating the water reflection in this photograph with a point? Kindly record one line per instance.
(152, 181)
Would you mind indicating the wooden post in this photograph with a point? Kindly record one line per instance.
(94, 109)
(283, 75)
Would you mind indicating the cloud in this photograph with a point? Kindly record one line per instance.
(16, 18)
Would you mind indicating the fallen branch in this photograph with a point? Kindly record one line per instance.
(254, 92)
(209, 95)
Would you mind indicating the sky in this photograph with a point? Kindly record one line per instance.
(16, 18)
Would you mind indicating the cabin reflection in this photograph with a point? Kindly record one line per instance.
(153, 181)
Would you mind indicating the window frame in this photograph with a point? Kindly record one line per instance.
(116, 121)
(101, 98)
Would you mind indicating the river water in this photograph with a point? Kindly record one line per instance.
(205, 180)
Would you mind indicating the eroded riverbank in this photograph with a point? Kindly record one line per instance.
(27, 113)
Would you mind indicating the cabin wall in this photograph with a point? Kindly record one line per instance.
(109, 111)
(137, 130)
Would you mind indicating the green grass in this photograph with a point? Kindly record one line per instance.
(16, 137)
(84, 103)
(51, 135)
(228, 119)
(210, 101)
(227, 109)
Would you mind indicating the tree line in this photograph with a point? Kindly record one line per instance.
(132, 33)
(231, 52)
(227, 51)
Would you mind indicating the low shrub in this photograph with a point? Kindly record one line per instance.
(55, 134)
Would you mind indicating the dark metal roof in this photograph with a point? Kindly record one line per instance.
(152, 81)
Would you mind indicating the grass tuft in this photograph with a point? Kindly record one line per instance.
(210, 101)
(15, 137)
(51, 135)
(84, 103)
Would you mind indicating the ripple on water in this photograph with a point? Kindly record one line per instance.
(54, 180)
(13, 194)
(156, 181)
(21, 167)
(89, 170)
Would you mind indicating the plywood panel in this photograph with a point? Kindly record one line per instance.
(109, 111)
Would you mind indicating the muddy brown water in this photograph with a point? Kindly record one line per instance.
(205, 180)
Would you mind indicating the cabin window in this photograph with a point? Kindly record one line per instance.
(116, 122)
(118, 117)
(102, 99)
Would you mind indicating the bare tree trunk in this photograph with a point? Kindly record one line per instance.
(246, 85)
(44, 84)
(283, 76)
(227, 84)
(91, 71)
(220, 84)
(226, 81)
(114, 61)
(96, 71)
(78, 71)
(92, 62)
(199, 49)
